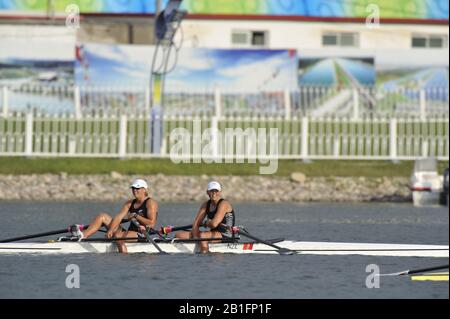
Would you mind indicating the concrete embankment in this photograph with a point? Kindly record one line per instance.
(115, 187)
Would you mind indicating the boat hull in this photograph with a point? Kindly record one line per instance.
(310, 248)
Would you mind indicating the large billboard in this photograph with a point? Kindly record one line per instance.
(421, 9)
(418, 9)
(97, 6)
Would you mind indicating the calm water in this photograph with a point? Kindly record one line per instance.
(231, 276)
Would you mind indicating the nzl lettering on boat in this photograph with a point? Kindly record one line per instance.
(228, 145)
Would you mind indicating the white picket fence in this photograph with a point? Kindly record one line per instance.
(299, 137)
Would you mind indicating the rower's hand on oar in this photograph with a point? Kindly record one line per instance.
(109, 233)
(130, 216)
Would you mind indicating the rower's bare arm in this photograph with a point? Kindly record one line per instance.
(152, 214)
(223, 208)
(198, 219)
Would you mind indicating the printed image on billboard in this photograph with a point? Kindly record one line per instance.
(327, 84)
(41, 76)
(340, 72)
(406, 84)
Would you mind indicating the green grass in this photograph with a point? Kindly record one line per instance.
(77, 166)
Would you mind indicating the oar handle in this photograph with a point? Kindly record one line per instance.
(170, 229)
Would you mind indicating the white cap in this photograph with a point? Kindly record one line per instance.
(214, 185)
(139, 183)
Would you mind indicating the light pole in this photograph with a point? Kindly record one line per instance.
(157, 7)
(51, 9)
(167, 24)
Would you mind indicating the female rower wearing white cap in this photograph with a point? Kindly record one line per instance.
(142, 211)
(217, 211)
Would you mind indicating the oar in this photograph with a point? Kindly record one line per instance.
(172, 241)
(105, 240)
(53, 232)
(197, 240)
(151, 240)
(280, 250)
(148, 231)
(416, 271)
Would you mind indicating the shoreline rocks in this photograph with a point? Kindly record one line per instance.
(115, 187)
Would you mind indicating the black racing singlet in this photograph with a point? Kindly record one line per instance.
(141, 210)
(228, 219)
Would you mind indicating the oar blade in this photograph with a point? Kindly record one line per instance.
(280, 250)
(284, 251)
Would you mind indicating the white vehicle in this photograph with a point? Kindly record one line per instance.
(47, 76)
(426, 183)
(445, 191)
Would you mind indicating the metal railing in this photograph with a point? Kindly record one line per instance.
(306, 101)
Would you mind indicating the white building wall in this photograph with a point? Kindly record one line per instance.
(383, 42)
(304, 35)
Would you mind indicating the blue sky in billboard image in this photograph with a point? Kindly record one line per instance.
(195, 69)
(112, 65)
